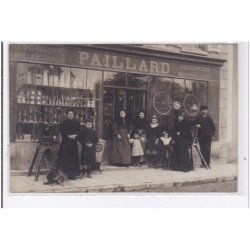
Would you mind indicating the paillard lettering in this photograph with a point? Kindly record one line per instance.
(123, 63)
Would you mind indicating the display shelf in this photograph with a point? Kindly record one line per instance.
(53, 105)
(41, 100)
(54, 87)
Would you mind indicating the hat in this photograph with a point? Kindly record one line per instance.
(153, 117)
(202, 107)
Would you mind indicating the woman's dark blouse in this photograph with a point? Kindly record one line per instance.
(183, 128)
(153, 133)
(140, 124)
(69, 127)
(121, 123)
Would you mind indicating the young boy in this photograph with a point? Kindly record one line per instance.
(88, 138)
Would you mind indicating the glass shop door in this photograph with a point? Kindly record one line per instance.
(115, 99)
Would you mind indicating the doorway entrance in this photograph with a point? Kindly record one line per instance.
(115, 99)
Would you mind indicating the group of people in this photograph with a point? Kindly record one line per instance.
(138, 142)
(144, 141)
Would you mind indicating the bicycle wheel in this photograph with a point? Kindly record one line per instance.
(162, 103)
(191, 104)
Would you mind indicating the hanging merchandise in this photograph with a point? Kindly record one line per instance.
(19, 97)
(57, 72)
(176, 105)
(92, 103)
(88, 104)
(67, 79)
(73, 81)
(75, 84)
(32, 97)
(31, 75)
(51, 76)
(23, 98)
(46, 76)
(29, 78)
(28, 97)
(62, 80)
(62, 101)
(39, 75)
(56, 80)
(38, 100)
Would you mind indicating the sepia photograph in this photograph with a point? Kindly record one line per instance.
(105, 118)
(124, 119)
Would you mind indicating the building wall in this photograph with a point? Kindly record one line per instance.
(224, 150)
(232, 101)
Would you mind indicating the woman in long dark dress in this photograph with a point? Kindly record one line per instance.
(182, 137)
(121, 152)
(140, 125)
(68, 157)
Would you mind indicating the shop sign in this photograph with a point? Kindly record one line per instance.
(37, 53)
(58, 54)
(109, 61)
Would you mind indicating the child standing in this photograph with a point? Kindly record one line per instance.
(153, 132)
(137, 150)
(165, 149)
(88, 138)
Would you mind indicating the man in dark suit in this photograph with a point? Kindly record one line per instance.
(206, 131)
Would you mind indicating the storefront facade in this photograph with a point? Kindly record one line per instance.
(98, 80)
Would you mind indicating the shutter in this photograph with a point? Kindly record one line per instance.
(214, 99)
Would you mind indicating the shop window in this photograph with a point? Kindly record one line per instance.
(196, 95)
(160, 99)
(167, 95)
(78, 78)
(94, 81)
(45, 92)
(114, 79)
(178, 89)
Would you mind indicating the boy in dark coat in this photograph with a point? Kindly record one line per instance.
(206, 131)
(88, 138)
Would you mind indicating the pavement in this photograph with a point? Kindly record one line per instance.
(132, 179)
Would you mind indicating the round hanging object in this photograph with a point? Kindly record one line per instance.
(176, 105)
(162, 103)
(191, 104)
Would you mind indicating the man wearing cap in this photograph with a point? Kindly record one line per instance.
(206, 131)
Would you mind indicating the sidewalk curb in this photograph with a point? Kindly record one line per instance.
(135, 188)
(24, 172)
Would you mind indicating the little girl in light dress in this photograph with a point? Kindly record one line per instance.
(137, 150)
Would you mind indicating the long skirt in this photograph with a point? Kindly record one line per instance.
(164, 154)
(68, 158)
(151, 147)
(143, 144)
(181, 159)
(121, 152)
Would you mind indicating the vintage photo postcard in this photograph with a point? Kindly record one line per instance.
(123, 119)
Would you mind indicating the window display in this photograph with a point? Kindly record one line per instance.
(44, 92)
